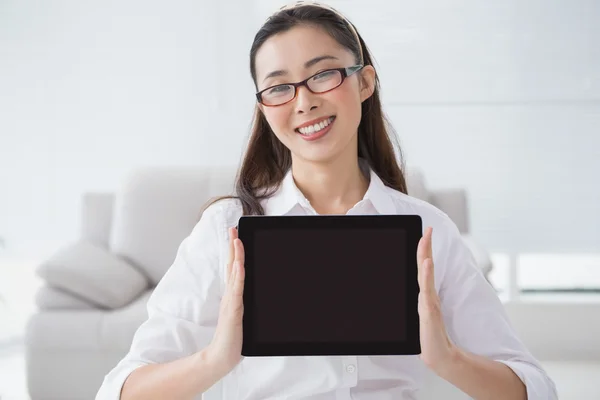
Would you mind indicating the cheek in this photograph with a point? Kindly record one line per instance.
(347, 104)
(278, 118)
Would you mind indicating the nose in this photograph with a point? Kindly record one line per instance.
(306, 100)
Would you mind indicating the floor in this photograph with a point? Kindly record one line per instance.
(574, 380)
(12, 374)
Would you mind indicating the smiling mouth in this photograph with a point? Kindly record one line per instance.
(316, 128)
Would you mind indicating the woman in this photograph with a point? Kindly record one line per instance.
(319, 145)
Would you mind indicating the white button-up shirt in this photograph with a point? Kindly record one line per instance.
(184, 307)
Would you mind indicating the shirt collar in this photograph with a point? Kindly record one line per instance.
(285, 198)
(380, 196)
(289, 196)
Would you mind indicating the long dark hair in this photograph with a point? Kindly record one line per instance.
(267, 160)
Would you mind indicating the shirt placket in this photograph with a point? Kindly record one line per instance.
(349, 374)
(349, 364)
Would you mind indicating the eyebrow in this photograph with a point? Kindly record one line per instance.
(307, 64)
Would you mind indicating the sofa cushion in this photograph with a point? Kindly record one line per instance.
(156, 208)
(50, 298)
(92, 273)
(87, 330)
(96, 217)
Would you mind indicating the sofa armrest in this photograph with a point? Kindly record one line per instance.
(96, 217)
(481, 255)
(92, 273)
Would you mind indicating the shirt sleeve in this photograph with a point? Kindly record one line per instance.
(182, 310)
(476, 320)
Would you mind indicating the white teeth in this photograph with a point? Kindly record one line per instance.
(307, 130)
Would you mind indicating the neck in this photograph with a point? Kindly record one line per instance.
(331, 187)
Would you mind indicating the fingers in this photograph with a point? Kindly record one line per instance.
(232, 303)
(426, 275)
(239, 275)
(424, 250)
(232, 236)
(427, 279)
(236, 279)
(238, 283)
(239, 251)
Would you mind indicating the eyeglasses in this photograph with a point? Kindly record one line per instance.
(321, 82)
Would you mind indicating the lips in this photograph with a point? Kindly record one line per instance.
(316, 131)
(315, 125)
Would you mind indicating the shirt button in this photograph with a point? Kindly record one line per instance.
(350, 368)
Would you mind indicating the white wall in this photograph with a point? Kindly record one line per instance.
(90, 91)
(503, 98)
(500, 97)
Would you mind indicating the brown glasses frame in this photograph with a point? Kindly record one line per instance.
(346, 72)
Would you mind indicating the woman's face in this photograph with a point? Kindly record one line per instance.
(292, 52)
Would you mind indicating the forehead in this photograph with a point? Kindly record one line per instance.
(289, 50)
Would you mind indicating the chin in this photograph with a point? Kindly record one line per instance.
(323, 150)
(318, 155)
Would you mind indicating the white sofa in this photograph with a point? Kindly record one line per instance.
(96, 289)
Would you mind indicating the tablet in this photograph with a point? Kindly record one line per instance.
(330, 285)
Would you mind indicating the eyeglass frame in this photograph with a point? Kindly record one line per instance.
(344, 71)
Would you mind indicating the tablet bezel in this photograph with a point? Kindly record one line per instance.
(412, 224)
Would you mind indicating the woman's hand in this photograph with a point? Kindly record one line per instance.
(225, 350)
(437, 350)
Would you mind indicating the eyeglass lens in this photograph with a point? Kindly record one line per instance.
(319, 83)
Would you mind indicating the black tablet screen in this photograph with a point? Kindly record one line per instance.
(330, 285)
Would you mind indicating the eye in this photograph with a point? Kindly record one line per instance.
(278, 90)
(325, 75)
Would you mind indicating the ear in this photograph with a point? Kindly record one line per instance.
(367, 84)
